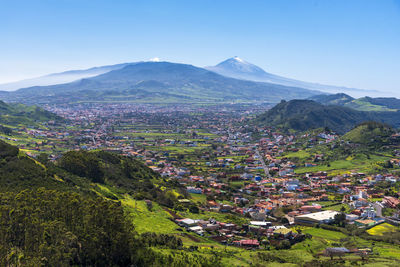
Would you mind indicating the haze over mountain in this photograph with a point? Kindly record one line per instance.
(240, 69)
(60, 78)
(233, 67)
(162, 82)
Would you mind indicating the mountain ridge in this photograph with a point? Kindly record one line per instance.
(182, 80)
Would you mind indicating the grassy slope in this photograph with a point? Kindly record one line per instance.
(361, 164)
(363, 105)
(157, 220)
(382, 229)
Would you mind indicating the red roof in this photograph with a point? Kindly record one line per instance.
(252, 242)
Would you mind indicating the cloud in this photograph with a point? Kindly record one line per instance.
(155, 59)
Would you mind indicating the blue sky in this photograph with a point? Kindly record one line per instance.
(355, 43)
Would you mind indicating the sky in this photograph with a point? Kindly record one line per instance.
(353, 43)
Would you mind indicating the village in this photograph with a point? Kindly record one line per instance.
(242, 171)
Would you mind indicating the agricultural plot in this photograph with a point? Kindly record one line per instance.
(382, 229)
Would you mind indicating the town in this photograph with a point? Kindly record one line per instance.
(245, 185)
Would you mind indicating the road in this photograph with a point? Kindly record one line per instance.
(266, 170)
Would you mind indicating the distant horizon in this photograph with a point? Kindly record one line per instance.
(353, 44)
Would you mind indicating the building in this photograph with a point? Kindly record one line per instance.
(187, 222)
(249, 243)
(326, 216)
(261, 224)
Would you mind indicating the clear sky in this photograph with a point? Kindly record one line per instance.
(355, 43)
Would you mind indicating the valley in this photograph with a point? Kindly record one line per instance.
(230, 191)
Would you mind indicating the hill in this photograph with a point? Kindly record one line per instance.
(74, 212)
(363, 104)
(339, 99)
(162, 82)
(370, 133)
(19, 114)
(375, 104)
(303, 115)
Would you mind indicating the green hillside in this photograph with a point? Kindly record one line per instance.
(77, 211)
(336, 99)
(382, 104)
(303, 115)
(370, 133)
(367, 104)
(19, 114)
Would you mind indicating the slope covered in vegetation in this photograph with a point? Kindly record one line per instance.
(17, 114)
(370, 133)
(302, 115)
(61, 214)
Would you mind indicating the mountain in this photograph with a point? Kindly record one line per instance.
(303, 115)
(238, 68)
(160, 82)
(363, 104)
(62, 77)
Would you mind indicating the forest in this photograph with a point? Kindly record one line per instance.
(51, 216)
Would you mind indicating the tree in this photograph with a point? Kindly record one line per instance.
(284, 220)
(339, 219)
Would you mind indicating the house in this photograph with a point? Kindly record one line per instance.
(351, 217)
(391, 202)
(249, 243)
(187, 222)
(283, 232)
(196, 229)
(261, 224)
(194, 190)
(336, 251)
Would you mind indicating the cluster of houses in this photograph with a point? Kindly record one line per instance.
(243, 236)
(237, 174)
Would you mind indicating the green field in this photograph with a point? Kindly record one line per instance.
(382, 229)
(157, 220)
(302, 154)
(361, 164)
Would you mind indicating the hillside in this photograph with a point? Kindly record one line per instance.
(160, 82)
(335, 99)
(361, 104)
(302, 115)
(19, 114)
(77, 211)
(370, 133)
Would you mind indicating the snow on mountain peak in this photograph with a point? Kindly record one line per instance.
(238, 59)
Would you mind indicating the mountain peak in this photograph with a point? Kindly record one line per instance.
(238, 59)
(235, 61)
(238, 68)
